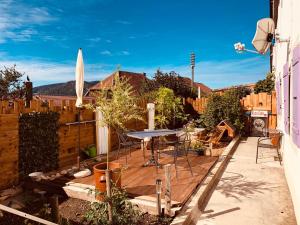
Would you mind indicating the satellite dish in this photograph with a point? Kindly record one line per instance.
(264, 35)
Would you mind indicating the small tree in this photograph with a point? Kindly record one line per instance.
(11, 86)
(266, 85)
(169, 108)
(222, 107)
(213, 113)
(232, 108)
(119, 106)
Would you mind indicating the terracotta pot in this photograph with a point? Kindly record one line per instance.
(99, 176)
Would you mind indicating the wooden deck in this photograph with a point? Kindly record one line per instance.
(139, 181)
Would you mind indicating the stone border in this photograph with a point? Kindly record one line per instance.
(192, 210)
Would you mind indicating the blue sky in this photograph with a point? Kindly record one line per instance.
(42, 38)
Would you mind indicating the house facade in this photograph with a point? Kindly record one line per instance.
(285, 63)
(137, 81)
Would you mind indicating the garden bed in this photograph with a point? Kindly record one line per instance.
(73, 210)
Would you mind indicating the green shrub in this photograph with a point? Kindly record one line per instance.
(213, 113)
(123, 211)
(169, 108)
(222, 107)
(180, 85)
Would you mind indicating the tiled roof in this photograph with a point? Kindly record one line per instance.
(202, 86)
(135, 79)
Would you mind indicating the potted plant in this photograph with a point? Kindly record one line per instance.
(90, 151)
(117, 108)
(198, 147)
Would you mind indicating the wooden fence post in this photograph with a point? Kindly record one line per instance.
(168, 201)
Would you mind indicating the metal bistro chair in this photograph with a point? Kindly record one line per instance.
(274, 136)
(127, 143)
(181, 144)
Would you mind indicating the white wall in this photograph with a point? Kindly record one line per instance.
(288, 26)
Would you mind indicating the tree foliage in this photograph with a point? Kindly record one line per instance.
(119, 107)
(222, 107)
(11, 86)
(169, 108)
(242, 91)
(213, 113)
(266, 85)
(171, 80)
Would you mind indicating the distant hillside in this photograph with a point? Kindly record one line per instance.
(66, 89)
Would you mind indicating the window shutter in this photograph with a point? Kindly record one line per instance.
(286, 96)
(278, 96)
(296, 96)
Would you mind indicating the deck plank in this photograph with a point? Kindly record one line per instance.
(140, 181)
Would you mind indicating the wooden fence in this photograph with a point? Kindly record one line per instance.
(68, 135)
(199, 104)
(261, 101)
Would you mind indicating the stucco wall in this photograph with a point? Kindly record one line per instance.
(288, 26)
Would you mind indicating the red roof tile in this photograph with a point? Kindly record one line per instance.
(135, 79)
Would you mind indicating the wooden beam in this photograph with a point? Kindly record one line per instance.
(25, 215)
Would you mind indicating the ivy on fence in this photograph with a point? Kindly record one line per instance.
(38, 142)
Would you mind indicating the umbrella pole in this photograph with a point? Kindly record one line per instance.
(78, 156)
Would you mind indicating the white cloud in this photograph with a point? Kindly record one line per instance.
(215, 74)
(124, 22)
(17, 20)
(124, 53)
(97, 39)
(106, 52)
(45, 72)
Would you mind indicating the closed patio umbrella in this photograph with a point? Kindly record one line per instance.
(79, 78)
(79, 85)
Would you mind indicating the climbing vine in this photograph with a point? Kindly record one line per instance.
(38, 142)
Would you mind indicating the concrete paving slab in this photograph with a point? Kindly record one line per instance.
(250, 193)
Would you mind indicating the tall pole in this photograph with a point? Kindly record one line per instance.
(193, 69)
(78, 156)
